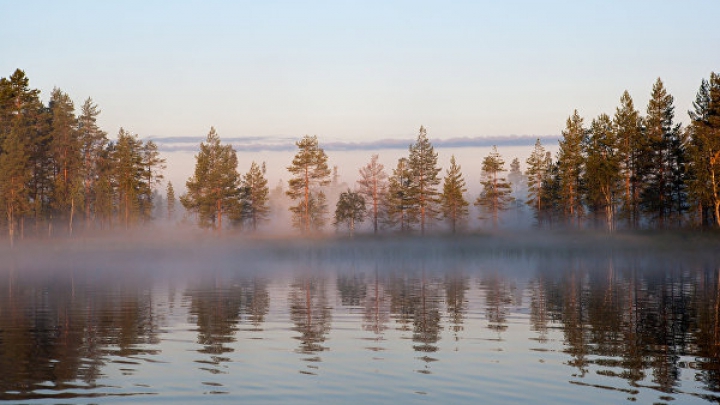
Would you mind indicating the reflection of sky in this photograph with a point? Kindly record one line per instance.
(478, 362)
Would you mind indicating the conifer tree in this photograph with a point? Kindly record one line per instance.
(22, 113)
(152, 168)
(401, 207)
(602, 170)
(212, 191)
(424, 172)
(571, 164)
(495, 196)
(350, 209)
(171, 200)
(663, 195)
(14, 175)
(704, 151)
(65, 151)
(129, 177)
(310, 174)
(92, 144)
(452, 200)
(536, 173)
(373, 186)
(254, 193)
(632, 146)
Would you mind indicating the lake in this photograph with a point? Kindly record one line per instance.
(436, 320)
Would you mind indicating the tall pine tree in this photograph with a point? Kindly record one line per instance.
(254, 191)
(424, 172)
(212, 191)
(571, 165)
(373, 186)
(310, 174)
(704, 151)
(632, 146)
(602, 171)
(452, 200)
(495, 196)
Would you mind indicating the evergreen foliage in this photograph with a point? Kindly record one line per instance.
(373, 186)
(171, 200)
(452, 200)
(663, 195)
(212, 191)
(704, 152)
(571, 164)
(495, 196)
(602, 173)
(538, 165)
(310, 174)
(632, 146)
(401, 207)
(254, 191)
(424, 178)
(350, 210)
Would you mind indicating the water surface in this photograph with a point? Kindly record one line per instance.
(506, 327)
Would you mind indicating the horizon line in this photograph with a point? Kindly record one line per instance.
(287, 144)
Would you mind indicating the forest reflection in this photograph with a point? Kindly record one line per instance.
(635, 325)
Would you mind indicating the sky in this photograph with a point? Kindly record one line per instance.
(358, 70)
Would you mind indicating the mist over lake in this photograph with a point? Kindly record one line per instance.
(497, 318)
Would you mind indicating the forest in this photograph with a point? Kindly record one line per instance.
(61, 175)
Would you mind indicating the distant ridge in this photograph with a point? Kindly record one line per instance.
(257, 144)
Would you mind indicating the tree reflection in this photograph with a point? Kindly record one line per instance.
(310, 313)
(51, 331)
(377, 307)
(456, 284)
(215, 306)
(499, 294)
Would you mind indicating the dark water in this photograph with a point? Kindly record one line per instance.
(539, 329)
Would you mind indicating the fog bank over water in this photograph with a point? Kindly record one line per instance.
(349, 157)
(192, 251)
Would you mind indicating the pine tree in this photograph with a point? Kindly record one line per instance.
(310, 173)
(350, 209)
(452, 200)
(22, 113)
(602, 170)
(152, 168)
(424, 172)
(704, 151)
(495, 196)
(631, 146)
(129, 177)
(536, 173)
(170, 197)
(254, 193)
(212, 191)
(93, 142)
(571, 164)
(14, 175)
(401, 207)
(663, 194)
(66, 155)
(373, 186)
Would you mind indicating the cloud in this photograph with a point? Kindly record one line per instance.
(257, 144)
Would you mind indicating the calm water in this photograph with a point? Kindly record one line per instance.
(504, 329)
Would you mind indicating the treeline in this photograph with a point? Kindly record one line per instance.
(629, 171)
(59, 169)
(634, 171)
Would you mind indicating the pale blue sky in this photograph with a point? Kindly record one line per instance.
(358, 70)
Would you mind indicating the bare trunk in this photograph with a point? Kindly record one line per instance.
(306, 219)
